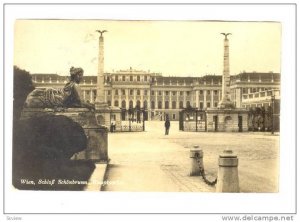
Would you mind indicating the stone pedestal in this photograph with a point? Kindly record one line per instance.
(196, 156)
(227, 120)
(97, 147)
(228, 177)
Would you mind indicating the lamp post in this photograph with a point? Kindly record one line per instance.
(273, 101)
(196, 120)
(144, 114)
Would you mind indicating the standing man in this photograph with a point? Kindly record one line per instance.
(167, 125)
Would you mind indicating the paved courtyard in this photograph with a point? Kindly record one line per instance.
(151, 161)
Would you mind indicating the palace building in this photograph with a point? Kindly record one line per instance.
(159, 95)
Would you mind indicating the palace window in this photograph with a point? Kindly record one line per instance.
(138, 78)
(145, 78)
(216, 104)
(116, 78)
(123, 92)
(181, 93)
(116, 92)
(108, 92)
(173, 104)
(123, 78)
(208, 92)
(145, 92)
(159, 93)
(145, 104)
(215, 92)
(152, 93)
(138, 92)
(174, 93)
(188, 93)
(130, 104)
(188, 104)
(159, 105)
(167, 93)
(166, 104)
(138, 104)
(124, 104)
(116, 103)
(109, 103)
(208, 105)
(131, 92)
(201, 105)
(174, 116)
(152, 105)
(201, 92)
(181, 104)
(131, 78)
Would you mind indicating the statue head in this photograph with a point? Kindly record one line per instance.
(76, 74)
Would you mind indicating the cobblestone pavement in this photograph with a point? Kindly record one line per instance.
(151, 161)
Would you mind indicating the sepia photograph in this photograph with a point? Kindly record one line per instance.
(146, 106)
(160, 109)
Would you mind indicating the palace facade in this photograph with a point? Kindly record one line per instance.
(160, 95)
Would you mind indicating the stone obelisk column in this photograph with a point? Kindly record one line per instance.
(100, 99)
(225, 101)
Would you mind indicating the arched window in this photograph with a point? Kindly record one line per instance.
(109, 103)
(166, 104)
(152, 105)
(188, 104)
(124, 104)
(145, 104)
(116, 103)
(138, 104)
(130, 104)
(159, 104)
(181, 104)
(138, 92)
(173, 104)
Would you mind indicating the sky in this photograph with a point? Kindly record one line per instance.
(172, 48)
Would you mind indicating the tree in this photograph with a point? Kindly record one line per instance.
(23, 85)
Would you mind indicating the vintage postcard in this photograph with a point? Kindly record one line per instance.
(184, 107)
(147, 105)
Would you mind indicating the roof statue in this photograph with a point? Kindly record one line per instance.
(101, 32)
(226, 34)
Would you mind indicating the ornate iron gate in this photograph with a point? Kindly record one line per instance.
(192, 119)
(133, 119)
(263, 119)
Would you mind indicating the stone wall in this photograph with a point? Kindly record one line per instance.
(97, 148)
(226, 120)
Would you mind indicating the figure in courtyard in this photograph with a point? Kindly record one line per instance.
(69, 96)
(167, 125)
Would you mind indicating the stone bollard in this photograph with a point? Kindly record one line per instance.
(228, 177)
(196, 155)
